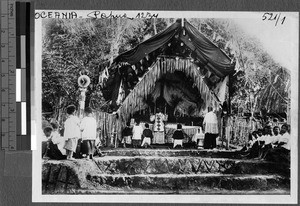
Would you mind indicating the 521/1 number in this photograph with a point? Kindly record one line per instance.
(273, 17)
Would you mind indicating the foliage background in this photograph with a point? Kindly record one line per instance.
(71, 46)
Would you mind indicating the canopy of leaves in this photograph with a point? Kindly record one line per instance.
(71, 46)
(83, 45)
(257, 75)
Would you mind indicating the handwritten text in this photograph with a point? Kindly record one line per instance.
(269, 16)
(93, 15)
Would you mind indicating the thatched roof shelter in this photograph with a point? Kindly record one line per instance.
(179, 67)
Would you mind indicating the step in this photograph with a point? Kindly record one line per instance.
(175, 183)
(185, 165)
(172, 152)
(208, 191)
(71, 176)
(190, 181)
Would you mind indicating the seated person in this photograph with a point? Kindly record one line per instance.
(276, 136)
(266, 135)
(281, 152)
(57, 139)
(252, 139)
(266, 132)
(55, 143)
(253, 150)
(270, 142)
(127, 135)
(178, 136)
(46, 140)
(147, 136)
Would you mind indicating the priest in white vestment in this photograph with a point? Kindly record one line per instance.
(159, 127)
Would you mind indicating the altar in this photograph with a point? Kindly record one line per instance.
(189, 131)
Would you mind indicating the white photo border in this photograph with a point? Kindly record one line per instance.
(37, 195)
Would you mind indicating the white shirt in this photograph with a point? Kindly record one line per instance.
(88, 127)
(275, 138)
(72, 127)
(285, 138)
(261, 138)
(211, 123)
(268, 139)
(137, 132)
(59, 141)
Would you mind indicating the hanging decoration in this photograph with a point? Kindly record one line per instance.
(149, 81)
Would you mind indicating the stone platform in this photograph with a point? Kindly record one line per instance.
(159, 171)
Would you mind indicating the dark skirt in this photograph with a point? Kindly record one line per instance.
(54, 152)
(88, 147)
(210, 141)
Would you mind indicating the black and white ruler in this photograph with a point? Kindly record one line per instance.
(15, 75)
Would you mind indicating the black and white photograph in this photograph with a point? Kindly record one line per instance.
(153, 106)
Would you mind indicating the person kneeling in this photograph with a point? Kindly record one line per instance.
(55, 144)
(147, 136)
(137, 132)
(178, 136)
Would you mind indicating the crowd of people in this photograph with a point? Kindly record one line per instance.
(78, 138)
(272, 144)
(143, 137)
(81, 138)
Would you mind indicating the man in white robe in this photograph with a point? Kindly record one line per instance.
(159, 127)
(210, 124)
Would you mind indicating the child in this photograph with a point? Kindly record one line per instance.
(178, 136)
(137, 132)
(46, 142)
(72, 132)
(127, 135)
(57, 143)
(147, 136)
(89, 133)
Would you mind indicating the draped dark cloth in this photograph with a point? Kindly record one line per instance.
(221, 63)
(140, 51)
(210, 55)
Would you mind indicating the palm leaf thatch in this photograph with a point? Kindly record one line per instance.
(135, 101)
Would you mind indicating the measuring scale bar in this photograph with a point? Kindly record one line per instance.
(15, 62)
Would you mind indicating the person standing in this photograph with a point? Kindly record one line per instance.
(88, 128)
(72, 132)
(159, 127)
(210, 125)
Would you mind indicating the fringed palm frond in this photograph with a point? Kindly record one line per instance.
(147, 85)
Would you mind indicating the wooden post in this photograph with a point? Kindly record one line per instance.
(82, 101)
(227, 136)
(83, 83)
(229, 93)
